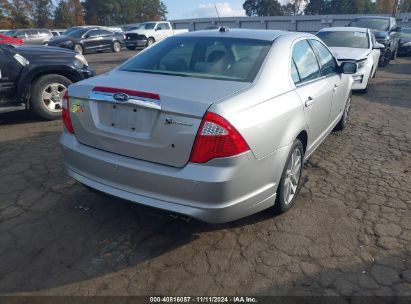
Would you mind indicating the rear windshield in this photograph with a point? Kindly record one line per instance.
(203, 57)
(374, 24)
(345, 39)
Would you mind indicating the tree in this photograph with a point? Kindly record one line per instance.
(5, 20)
(18, 13)
(386, 6)
(405, 6)
(262, 8)
(41, 12)
(318, 7)
(76, 8)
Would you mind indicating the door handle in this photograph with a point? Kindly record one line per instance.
(309, 102)
(335, 87)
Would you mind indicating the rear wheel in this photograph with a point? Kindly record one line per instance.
(47, 95)
(344, 119)
(79, 49)
(289, 185)
(116, 47)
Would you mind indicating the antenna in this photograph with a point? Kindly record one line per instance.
(221, 28)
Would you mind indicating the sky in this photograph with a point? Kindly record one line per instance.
(184, 9)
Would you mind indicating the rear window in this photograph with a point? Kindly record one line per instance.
(219, 58)
(345, 39)
(378, 24)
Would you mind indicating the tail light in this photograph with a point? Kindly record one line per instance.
(66, 114)
(216, 138)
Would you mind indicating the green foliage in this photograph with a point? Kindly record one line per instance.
(333, 7)
(112, 12)
(41, 13)
(262, 8)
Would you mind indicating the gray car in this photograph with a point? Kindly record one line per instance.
(32, 36)
(211, 124)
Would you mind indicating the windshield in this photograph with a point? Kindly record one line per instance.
(345, 39)
(203, 57)
(77, 33)
(374, 24)
(10, 33)
(147, 26)
(406, 33)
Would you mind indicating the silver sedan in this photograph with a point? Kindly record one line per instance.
(213, 124)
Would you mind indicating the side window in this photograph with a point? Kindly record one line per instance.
(165, 26)
(305, 61)
(160, 27)
(328, 64)
(294, 72)
(93, 33)
(20, 34)
(105, 33)
(33, 33)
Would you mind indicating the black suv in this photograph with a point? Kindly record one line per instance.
(86, 40)
(385, 31)
(36, 78)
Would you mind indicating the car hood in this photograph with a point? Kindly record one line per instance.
(41, 51)
(342, 53)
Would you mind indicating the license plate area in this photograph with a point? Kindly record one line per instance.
(126, 119)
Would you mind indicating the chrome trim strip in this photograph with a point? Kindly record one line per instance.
(141, 102)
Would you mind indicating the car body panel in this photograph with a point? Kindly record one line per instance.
(269, 113)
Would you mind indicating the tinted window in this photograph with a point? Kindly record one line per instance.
(378, 24)
(305, 61)
(20, 34)
(203, 57)
(33, 33)
(345, 39)
(147, 26)
(93, 33)
(327, 61)
(105, 33)
(164, 26)
(294, 72)
(78, 33)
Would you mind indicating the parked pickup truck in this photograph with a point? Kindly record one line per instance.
(148, 33)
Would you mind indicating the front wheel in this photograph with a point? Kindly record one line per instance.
(150, 41)
(116, 47)
(385, 58)
(79, 49)
(344, 119)
(46, 99)
(289, 185)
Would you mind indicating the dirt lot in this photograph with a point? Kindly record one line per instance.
(350, 233)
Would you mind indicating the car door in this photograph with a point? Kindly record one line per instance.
(336, 81)
(10, 70)
(22, 35)
(33, 37)
(314, 91)
(106, 39)
(161, 31)
(91, 40)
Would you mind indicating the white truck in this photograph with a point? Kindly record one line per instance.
(148, 33)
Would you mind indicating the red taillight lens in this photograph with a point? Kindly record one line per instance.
(66, 114)
(216, 138)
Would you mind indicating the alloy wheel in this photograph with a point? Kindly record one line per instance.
(292, 177)
(52, 96)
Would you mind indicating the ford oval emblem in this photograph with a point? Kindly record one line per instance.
(122, 97)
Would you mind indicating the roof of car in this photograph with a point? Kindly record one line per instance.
(269, 35)
(344, 29)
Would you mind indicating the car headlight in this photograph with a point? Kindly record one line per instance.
(361, 64)
(80, 61)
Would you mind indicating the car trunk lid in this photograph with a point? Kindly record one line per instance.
(145, 116)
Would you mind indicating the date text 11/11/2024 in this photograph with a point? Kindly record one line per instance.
(203, 300)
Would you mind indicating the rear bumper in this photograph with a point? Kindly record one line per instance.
(220, 191)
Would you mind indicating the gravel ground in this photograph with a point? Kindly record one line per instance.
(349, 234)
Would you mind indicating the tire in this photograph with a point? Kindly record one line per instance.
(344, 119)
(116, 47)
(290, 181)
(395, 54)
(47, 93)
(78, 48)
(150, 41)
(386, 57)
(131, 48)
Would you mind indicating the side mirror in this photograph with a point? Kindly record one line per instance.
(87, 36)
(378, 46)
(349, 67)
